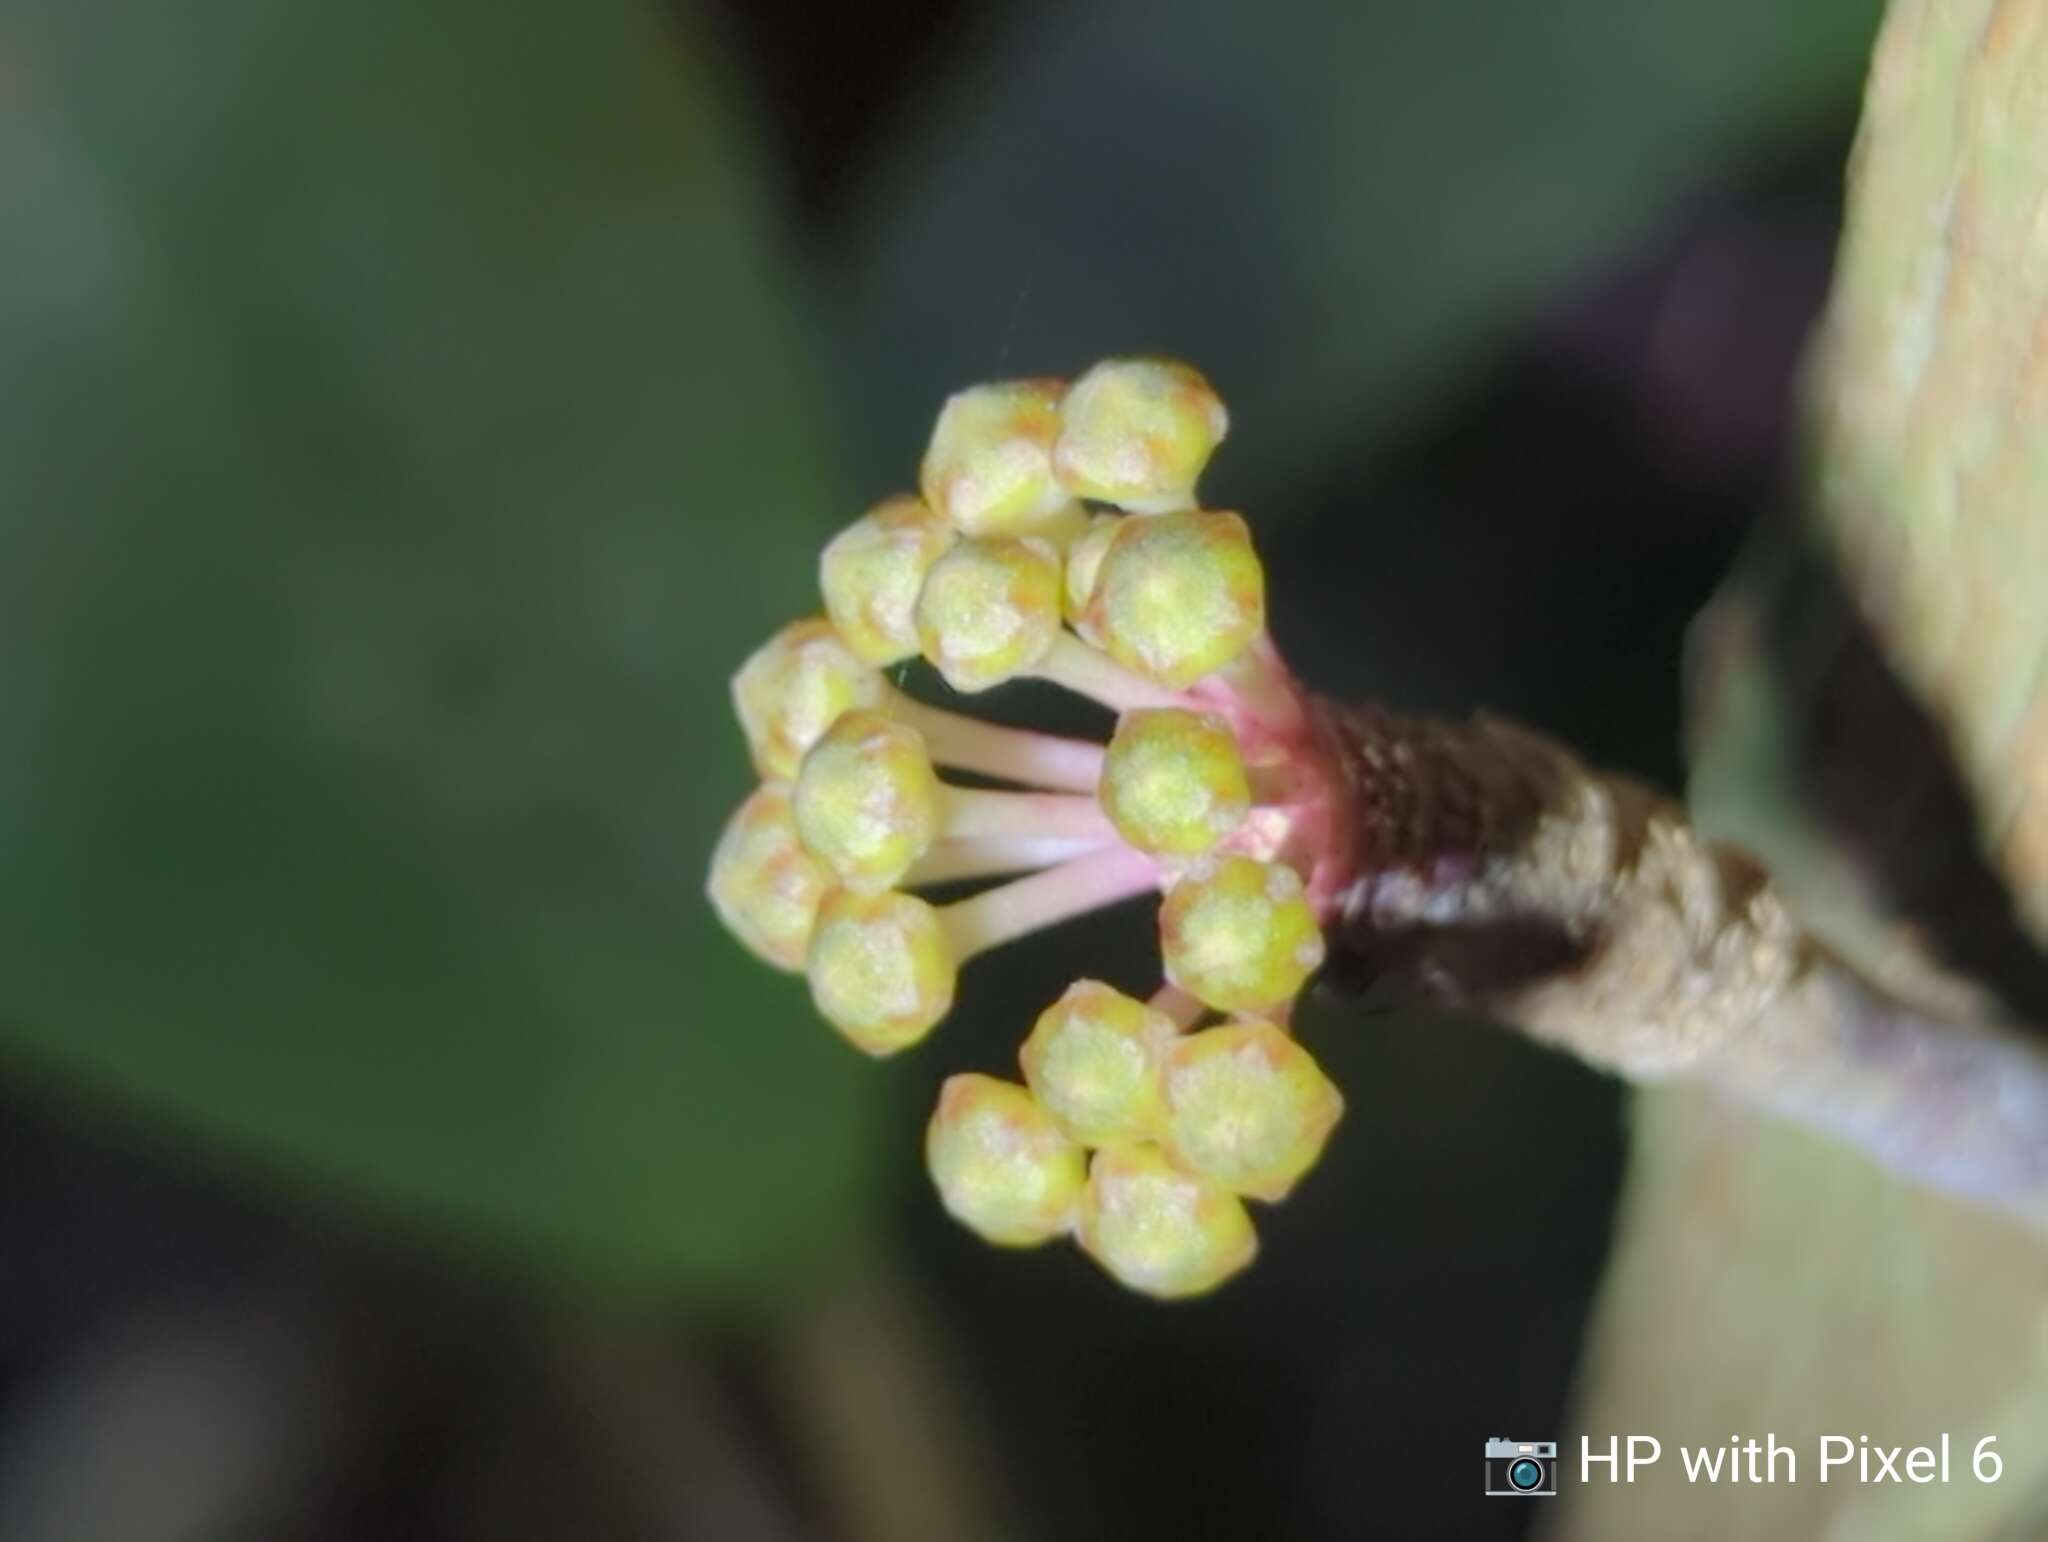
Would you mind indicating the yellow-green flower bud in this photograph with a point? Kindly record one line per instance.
(1084, 563)
(1063, 526)
(1003, 1168)
(1239, 936)
(870, 574)
(1178, 595)
(868, 803)
(1247, 1107)
(763, 884)
(1093, 1061)
(1137, 433)
(792, 688)
(989, 610)
(989, 466)
(881, 968)
(1173, 781)
(1160, 1230)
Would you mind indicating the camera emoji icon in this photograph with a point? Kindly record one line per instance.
(1521, 1469)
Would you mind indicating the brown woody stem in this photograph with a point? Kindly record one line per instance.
(1492, 871)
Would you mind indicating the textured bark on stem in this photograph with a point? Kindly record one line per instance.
(1492, 871)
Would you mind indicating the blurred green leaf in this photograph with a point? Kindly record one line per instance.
(402, 433)
(1332, 208)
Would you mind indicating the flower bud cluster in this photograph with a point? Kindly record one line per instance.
(1056, 535)
(1184, 1127)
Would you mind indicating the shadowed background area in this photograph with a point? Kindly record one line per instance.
(409, 417)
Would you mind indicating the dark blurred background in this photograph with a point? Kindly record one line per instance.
(407, 419)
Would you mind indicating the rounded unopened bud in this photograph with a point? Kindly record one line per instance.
(792, 687)
(1247, 1107)
(881, 968)
(1137, 433)
(1003, 1168)
(989, 610)
(1173, 782)
(1178, 595)
(868, 803)
(1239, 936)
(1159, 1230)
(870, 574)
(763, 884)
(989, 466)
(1093, 1061)
(1084, 564)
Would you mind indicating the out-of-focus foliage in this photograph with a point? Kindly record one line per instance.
(392, 396)
(1874, 687)
(403, 431)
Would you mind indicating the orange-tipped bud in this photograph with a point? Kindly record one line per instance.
(1137, 433)
(881, 968)
(1093, 1061)
(1173, 782)
(763, 884)
(1159, 1230)
(868, 803)
(870, 574)
(1178, 595)
(989, 610)
(792, 687)
(1003, 1168)
(1247, 1107)
(989, 466)
(1239, 935)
